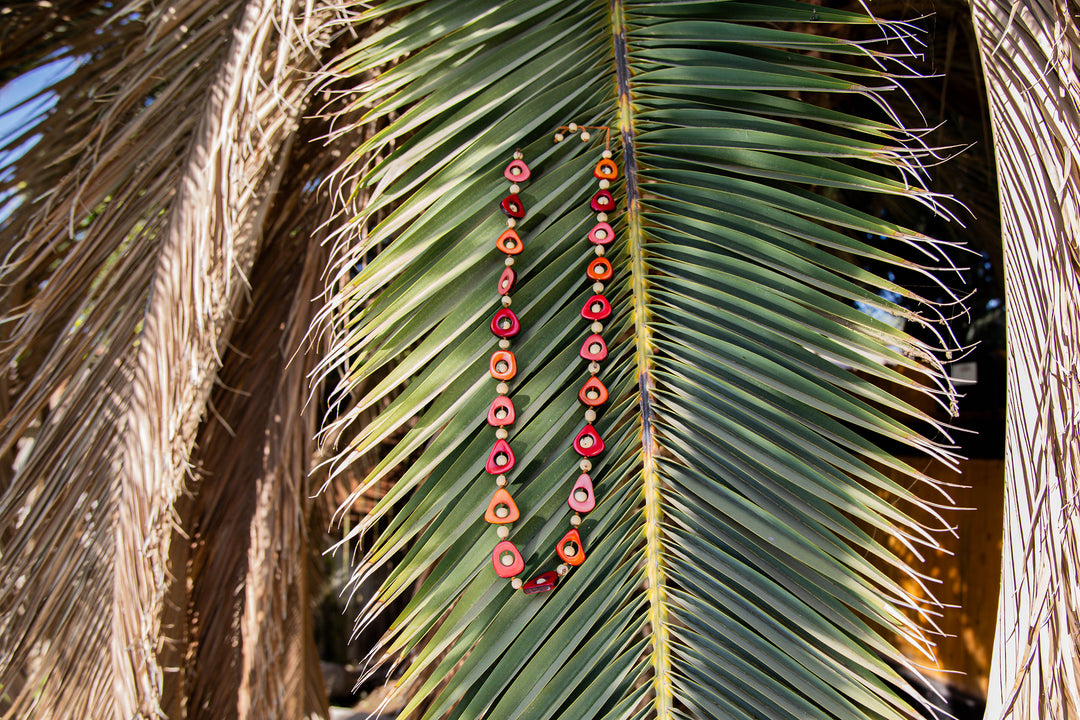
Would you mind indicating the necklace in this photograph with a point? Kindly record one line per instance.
(502, 511)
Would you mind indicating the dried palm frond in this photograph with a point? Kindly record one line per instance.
(1031, 57)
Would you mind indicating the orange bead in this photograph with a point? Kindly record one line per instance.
(570, 548)
(599, 269)
(510, 242)
(501, 509)
(593, 393)
(606, 170)
(503, 365)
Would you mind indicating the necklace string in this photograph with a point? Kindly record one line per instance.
(502, 511)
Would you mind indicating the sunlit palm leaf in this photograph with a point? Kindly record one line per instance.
(728, 570)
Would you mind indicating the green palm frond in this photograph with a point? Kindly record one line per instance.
(734, 562)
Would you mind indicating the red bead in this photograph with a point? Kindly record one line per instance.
(541, 583)
(596, 308)
(601, 202)
(606, 170)
(594, 348)
(506, 280)
(514, 565)
(601, 234)
(570, 548)
(512, 206)
(588, 442)
(501, 413)
(501, 498)
(582, 499)
(599, 269)
(503, 366)
(518, 171)
(505, 323)
(501, 458)
(510, 242)
(593, 393)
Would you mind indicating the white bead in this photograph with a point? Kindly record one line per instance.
(601, 217)
(515, 583)
(572, 127)
(598, 287)
(558, 138)
(510, 222)
(590, 415)
(599, 250)
(606, 154)
(506, 300)
(605, 184)
(585, 466)
(594, 367)
(501, 433)
(503, 532)
(562, 569)
(518, 155)
(504, 344)
(575, 519)
(509, 262)
(514, 188)
(500, 481)
(502, 388)
(585, 136)
(597, 327)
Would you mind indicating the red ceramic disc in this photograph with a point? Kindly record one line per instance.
(518, 171)
(588, 442)
(507, 560)
(501, 458)
(541, 583)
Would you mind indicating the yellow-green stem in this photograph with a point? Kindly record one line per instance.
(651, 486)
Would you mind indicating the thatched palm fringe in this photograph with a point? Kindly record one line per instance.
(1030, 54)
(213, 236)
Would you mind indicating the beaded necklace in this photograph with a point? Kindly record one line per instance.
(501, 510)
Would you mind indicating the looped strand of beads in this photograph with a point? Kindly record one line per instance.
(501, 510)
(588, 443)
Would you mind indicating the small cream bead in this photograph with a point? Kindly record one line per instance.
(509, 262)
(515, 583)
(503, 532)
(605, 184)
(518, 155)
(598, 287)
(506, 300)
(594, 367)
(585, 466)
(558, 138)
(590, 415)
(575, 519)
(502, 388)
(601, 217)
(514, 188)
(597, 327)
(606, 154)
(504, 344)
(562, 569)
(585, 136)
(572, 127)
(500, 481)
(501, 433)
(599, 250)
(510, 222)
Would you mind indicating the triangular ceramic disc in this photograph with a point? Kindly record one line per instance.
(501, 509)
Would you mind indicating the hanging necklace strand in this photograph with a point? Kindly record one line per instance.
(502, 511)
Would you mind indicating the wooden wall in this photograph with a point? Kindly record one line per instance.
(968, 571)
